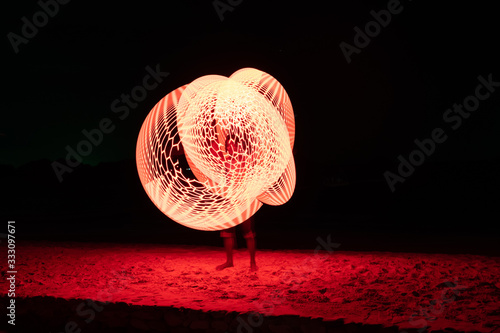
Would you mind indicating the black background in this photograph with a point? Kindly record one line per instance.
(353, 120)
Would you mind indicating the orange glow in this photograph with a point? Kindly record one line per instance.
(236, 134)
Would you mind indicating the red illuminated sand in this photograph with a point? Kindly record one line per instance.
(369, 288)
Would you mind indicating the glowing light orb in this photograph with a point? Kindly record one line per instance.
(210, 153)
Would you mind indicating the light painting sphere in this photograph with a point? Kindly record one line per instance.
(210, 153)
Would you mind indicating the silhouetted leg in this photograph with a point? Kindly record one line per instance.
(251, 250)
(249, 233)
(228, 246)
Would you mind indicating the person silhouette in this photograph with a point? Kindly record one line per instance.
(229, 237)
(236, 150)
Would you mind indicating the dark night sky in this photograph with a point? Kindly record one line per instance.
(396, 89)
(363, 113)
